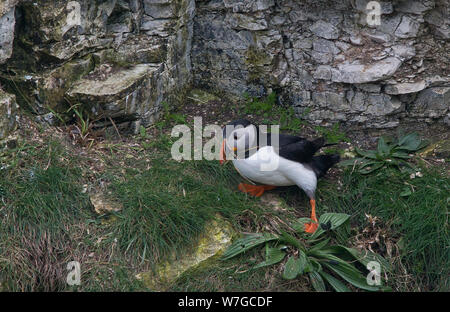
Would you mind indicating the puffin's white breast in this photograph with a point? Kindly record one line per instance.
(267, 167)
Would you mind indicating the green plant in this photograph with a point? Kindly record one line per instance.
(333, 134)
(168, 117)
(143, 132)
(57, 115)
(314, 255)
(285, 117)
(254, 105)
(388, 153)
(288, 120)
(82, 130)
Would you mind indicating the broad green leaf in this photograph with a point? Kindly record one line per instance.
(383, 148)
(350, 254)
(364, 257)
(248, 242)
(301, 262)
(316, 266)
(317, 281)
(368, 170)
(291, 240)
(291, 269)
(320, 245)
(345, 270)
(410, 142)
(352, 162)
(369, 163)
(351, 275)
(402, 155)
(423, 144)
(312, 265)
(336, 219)
(366, 154)
(334, 282)
(308, 266)
(273, 256)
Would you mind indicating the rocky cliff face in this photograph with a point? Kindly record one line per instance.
(121, 59)
(325, 59)
(115, 60)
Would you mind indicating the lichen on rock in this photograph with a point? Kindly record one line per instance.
(8, 111)
(213, 240)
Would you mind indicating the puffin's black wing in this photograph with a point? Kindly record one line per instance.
(283, 139)
(301, 150)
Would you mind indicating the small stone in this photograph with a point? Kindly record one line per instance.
(342, 46)
(369, 87)
(414, 6)
(340, 58)
(324, 30)
(360, 73)
(323, 72)
(153, 26)
(431, 102)
(380, 56)
(325, 46)
(248, 22)
(404, 52)
(440, 22)
(437, 81)
(356, 40)
(408, 28)
(383, 104)
(322, 58)
(158, 10)
(405, 88)
(103, 205)
(378, 37)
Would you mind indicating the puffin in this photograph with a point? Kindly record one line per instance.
(267, 163)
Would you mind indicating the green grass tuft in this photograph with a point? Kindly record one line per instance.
(420, 219)
(167, 206)
(41, 207)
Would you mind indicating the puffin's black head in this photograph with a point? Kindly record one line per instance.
(238, 136)
(237, 123)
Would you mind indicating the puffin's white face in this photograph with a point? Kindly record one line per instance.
(241, 140)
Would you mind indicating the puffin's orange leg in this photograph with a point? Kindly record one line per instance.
(222, 156)
(255, 190)
(314, 224)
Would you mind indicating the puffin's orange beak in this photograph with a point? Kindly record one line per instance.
(222, 157)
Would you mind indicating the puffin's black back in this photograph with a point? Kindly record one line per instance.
(295, 148)
(301, 150)
(322, 163)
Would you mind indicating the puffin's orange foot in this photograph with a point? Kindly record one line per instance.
(255, 190)
(311, 227)
(314, 224)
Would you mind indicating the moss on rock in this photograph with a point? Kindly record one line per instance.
(215, 239)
